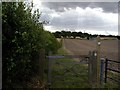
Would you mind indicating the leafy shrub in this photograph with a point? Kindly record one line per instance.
(23, 37)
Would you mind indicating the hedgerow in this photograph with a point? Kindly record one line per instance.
(23, 36)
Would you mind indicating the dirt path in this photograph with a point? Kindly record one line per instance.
(109, 48)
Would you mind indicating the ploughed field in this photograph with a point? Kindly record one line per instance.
(109, 48)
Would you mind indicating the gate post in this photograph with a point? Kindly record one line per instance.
(98, 61)
(41, 64)
(92, 68)
(49, 70)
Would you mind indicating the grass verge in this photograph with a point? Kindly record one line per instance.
(112, 83)
(67, 74)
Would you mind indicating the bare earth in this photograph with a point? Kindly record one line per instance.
(109, 48)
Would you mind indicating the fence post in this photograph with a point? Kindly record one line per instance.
(102, 70)
(90, 67)
(106, 65)
(49, 70)
(41, 64)
(98, 61)
(94, 68)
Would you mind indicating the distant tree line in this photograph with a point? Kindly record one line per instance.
(69, 34)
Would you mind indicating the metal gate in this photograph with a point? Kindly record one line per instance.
(60, 67)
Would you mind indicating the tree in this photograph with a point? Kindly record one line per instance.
(57, 34)
(79, 34)
(63, 33)
(74, 34)
(68, 34)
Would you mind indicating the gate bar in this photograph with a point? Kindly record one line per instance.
(66, 56)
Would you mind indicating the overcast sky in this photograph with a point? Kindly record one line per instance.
(90, 17)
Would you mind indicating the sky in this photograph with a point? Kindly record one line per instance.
(89, 17)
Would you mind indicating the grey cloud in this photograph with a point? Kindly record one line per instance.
(44, 17)
(74, 21)
(59, 6)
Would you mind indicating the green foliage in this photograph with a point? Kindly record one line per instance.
(51, 43)
(68, 34)
(57, 34)
(74, 34)
(23, 37)
(63, 33)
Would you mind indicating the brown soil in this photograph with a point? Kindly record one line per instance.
(109, 48)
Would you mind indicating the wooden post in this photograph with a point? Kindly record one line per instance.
(41, 64)
(49, 70)
(102, 71)
(98, 61)
(94, 68)
(90, 68)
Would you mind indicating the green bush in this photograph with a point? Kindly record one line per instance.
(52, 45)
(23, 37)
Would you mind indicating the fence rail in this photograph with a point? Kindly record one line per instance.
(113, 70)
(110, 69)
(92, 67)
(112, 61)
